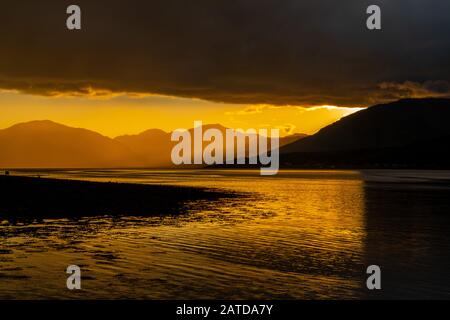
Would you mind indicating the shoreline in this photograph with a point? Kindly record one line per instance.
(35, 198)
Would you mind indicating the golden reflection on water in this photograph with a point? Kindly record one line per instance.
(297, 235)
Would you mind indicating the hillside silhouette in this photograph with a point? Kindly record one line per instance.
(154, 146)
(46, 144)
(405, 133)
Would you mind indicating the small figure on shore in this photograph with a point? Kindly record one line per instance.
(6, 173)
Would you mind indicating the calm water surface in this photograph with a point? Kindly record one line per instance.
(299, 235)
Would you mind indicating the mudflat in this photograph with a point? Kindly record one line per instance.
(34, 197)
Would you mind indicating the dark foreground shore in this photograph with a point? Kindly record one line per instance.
(29, 197)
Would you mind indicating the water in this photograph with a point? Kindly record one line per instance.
(299, 235)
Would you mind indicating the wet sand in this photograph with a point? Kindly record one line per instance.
(34, 198)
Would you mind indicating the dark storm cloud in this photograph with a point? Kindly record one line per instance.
(243, 51)
(409, 89)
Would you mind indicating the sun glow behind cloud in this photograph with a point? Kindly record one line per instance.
(119, 114)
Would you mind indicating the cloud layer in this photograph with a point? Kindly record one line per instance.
(275, 52)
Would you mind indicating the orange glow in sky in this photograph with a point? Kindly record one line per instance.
(118, 115)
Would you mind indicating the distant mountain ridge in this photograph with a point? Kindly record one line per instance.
(46, 144)
(405, 133)
(152, 146)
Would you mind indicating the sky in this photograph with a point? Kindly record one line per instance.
(296, 65)
(120, 115)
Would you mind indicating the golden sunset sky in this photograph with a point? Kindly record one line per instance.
(125, 114)
(296, 65)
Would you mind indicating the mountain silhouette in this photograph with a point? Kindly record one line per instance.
(410, 132)
(46, 144)
(152, 146)
(155, 146)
